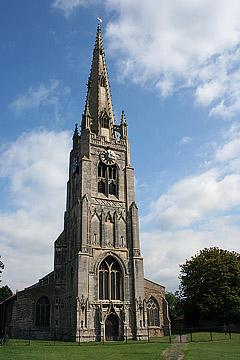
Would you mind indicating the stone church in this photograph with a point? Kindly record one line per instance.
(97, 289)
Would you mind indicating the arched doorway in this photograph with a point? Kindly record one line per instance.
(111, 328)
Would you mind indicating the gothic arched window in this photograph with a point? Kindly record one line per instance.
(43, 312)
(107, 179)
(110, 280)
(153, 312)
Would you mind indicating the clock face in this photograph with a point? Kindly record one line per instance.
(108, 157)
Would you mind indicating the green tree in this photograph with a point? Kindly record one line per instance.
(174, 305)
(5, 293)
(210, 286)
(1, 267)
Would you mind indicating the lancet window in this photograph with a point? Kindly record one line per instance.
(107, 179)
(153, 312)
(43, 312)
(110, 280)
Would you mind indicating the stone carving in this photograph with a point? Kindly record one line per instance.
(85, 249)
(118, 144)
(82, 302)
(104, 202)
(123, 309)
(140, 303)
(100, 310)
(136, 252)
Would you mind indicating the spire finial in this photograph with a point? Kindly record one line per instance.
(87, 112)
(86, 117)
(75, 135)
(123, 118)
(76, 131)
(123, 126)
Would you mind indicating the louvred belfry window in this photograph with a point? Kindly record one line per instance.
(107, 179)
(110, 280)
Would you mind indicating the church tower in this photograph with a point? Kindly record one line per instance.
(97, 289)
(98, 268)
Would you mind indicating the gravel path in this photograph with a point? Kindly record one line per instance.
(175, 352)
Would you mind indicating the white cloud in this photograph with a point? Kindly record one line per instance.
(208, 92)
(185, 140)
(193, 198)
(219, 84)
(165, 251)
(68, 6)
(198, 211)
(34, 169)
(229, 151)
(227, 155)
(171, 45)
(40, 95)
(174, 45)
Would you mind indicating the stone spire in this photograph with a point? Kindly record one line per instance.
(98, 114)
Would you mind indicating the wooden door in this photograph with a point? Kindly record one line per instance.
(111, 328)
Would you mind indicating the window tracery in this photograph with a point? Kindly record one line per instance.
(110, 280)
(153, 312)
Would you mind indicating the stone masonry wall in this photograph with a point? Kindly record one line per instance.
(24, 312)
(158, 293)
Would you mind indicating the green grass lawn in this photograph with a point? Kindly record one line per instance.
(220, 348)
(200, 349)
(116, 351)
(214, 350)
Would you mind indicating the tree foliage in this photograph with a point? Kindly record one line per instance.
(174, 305)
(5, 293)
(210, 285)
(1, 267)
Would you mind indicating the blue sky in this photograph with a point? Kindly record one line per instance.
(174, 68)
